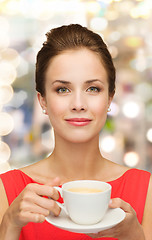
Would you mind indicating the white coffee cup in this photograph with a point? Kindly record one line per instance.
(85, 208)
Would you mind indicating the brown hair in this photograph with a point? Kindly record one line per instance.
(67, 37)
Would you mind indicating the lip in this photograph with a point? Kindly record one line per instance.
(79, 121)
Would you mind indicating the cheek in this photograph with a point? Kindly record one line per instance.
(53, 112)
(100, 107)
(56, 108)
(100, 114)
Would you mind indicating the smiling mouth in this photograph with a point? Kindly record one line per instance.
(79, 121)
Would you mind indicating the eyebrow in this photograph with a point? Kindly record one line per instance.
(61, 81)
(87, 82)
(94, 80)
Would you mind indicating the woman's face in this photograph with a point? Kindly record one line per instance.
(76, 95)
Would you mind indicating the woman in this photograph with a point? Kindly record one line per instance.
(75, 81)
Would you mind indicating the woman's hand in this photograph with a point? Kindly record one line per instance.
(128, 229)
(32, 206)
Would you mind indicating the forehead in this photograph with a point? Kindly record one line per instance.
(76, 63)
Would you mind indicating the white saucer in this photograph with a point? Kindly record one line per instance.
(112, 218)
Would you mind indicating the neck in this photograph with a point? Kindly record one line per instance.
(77, 160)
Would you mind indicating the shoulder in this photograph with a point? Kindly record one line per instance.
(150, 187)
(3, 200)
(13, 177)
(147, 217)
(137, 178)
(129, 176)
(149, 195)
(132, 173)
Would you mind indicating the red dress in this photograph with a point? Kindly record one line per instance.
(132, 187)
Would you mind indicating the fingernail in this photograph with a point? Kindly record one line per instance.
(110, 202)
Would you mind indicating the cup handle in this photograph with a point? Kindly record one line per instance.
(61, 205)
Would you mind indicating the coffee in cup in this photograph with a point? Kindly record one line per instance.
(84, 190)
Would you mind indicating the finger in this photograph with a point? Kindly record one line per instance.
(119, 203)
(27, 217)
(111, 232)
(98, 235)
(31, 207)
(41, 190)
(34, 194)
(48, 204)
(92, 235)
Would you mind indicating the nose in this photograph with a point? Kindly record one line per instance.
(78, 102)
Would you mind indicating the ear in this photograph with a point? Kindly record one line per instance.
(42, 101)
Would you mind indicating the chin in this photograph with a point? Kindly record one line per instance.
(78, 137)
(81, 139)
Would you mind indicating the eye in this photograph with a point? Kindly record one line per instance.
(63, 90)
(93, 89)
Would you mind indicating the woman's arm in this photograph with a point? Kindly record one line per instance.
(147, 218)
(5, 230)
(3, 201)
(29, 206)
